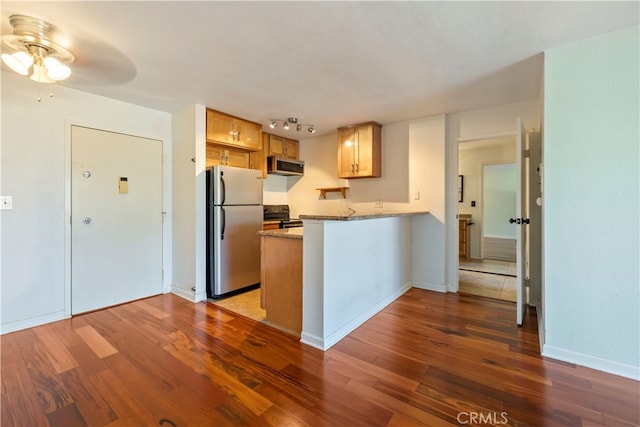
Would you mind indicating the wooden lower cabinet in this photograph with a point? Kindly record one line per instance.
(464, 246)
(281, 282)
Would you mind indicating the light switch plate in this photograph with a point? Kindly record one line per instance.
(6, 203)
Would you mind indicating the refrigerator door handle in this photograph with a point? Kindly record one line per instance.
(223, 189)
(223, 222)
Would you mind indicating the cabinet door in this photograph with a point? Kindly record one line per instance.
(221, 128)
(221, 155)
(368, 151)
(364, 151)
(276, 146)
(346, 145)
(291, 148)
(250, 135)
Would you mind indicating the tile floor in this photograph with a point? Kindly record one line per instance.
(246, 304)
(474, 279)
(488, 266)
(488, 278)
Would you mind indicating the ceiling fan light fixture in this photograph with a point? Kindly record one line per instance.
(298, 127)
(285, 125)
(20, 62)
(311, 129)
(56, 70)
(40, 74)
(36, 53)
(273, 124)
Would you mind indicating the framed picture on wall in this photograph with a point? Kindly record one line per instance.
(460, 187)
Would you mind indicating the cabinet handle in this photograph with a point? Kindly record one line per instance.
(357, 167)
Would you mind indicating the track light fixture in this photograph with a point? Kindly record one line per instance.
(288, 122)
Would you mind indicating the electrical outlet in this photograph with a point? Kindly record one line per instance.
(6, 203)
(379, 204)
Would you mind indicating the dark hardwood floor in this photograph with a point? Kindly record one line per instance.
(428, 359)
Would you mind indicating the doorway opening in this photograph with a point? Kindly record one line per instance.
(487, 264)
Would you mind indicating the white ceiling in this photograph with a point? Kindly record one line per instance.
(327, 63)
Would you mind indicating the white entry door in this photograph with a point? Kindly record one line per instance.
(521, 221)
(116, 218)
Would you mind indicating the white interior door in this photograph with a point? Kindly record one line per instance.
(521, 243)
(534, 213)
(116, 218)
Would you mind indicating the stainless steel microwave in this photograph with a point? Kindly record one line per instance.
(282, 166)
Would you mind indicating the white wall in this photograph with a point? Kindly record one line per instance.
(591, 202)
(275, 189)
(189, 210)
(35, 286)
(427, 169)
(471, 157)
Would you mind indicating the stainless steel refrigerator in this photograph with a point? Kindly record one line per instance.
(234, 217)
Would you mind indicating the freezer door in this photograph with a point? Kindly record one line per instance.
(235, 253)
(235, 186)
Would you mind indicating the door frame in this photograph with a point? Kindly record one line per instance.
(126, 129)
(451, 201)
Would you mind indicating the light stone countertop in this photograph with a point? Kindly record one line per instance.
(359, 216)
(289, 233)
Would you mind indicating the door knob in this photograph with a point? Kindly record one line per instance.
(86, 220)
(519, 220)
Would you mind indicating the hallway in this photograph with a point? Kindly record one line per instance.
(488, 278)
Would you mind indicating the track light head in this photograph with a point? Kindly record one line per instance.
(288, 122)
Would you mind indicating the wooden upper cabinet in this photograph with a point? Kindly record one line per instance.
(227, 156)
(360, 150)
(282, 147)
(229, 130)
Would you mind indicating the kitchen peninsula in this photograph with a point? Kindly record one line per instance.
(352, 267)
(325, 281)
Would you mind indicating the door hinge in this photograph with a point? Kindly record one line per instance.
(526, 153)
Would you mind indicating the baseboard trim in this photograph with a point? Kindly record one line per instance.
(331, 339)
(312, 340)
(430, 287)
(33, 322)
(593, 362)
(189, 295)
